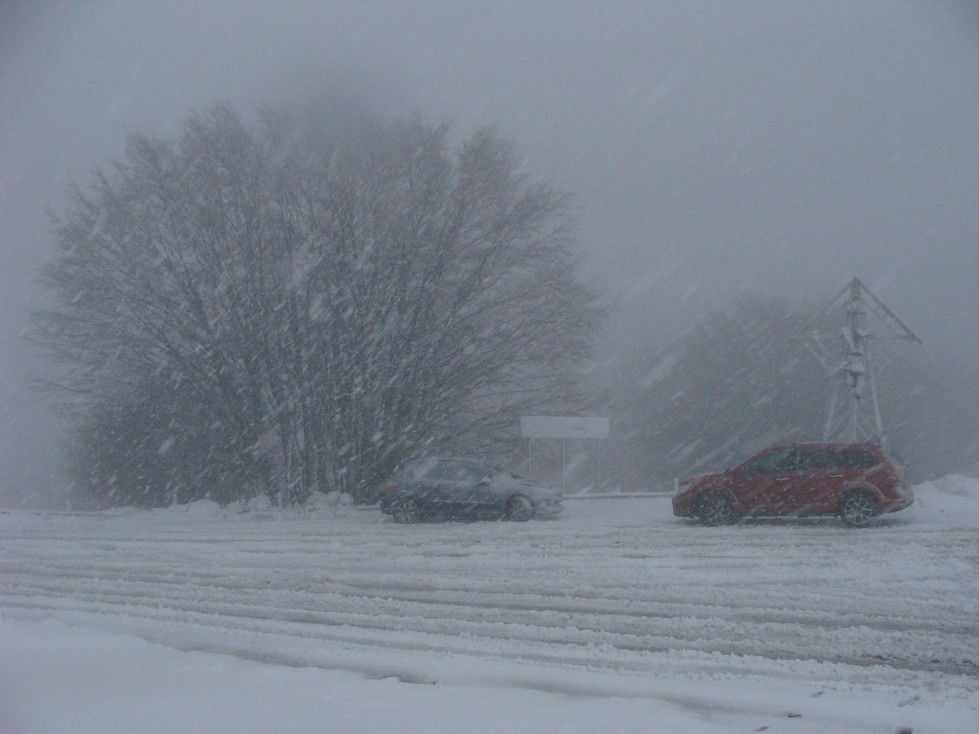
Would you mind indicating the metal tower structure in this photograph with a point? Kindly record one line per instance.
(866, 322)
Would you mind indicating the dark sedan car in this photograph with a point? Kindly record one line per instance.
(463, 489)
(856, 482)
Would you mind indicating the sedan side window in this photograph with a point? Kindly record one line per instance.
(473, 474)
(460, 471)
(439, 471)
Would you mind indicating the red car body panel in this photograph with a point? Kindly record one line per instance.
(800, 480)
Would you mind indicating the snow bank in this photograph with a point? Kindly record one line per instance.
(48, 687)
(953, 498)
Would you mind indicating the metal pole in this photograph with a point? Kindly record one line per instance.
(563, 445)
(598, 466)
(878, 424)
(831, 419)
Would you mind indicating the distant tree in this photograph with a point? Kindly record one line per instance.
(929, 407)
(267, 309)
(736, 381)
(740, 380)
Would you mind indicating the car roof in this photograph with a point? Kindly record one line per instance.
(467, 459)
(829, 446)
(470, 459)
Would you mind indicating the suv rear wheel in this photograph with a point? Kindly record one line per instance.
(858, 509)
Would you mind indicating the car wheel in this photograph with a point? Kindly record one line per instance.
(519, 508)
(406, 511)
(858, 509)
(715, 509)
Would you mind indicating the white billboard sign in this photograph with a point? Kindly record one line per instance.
(540, 426)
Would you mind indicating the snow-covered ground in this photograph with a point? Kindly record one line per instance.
(615, 617)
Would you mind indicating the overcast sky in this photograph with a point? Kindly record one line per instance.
(716, 148)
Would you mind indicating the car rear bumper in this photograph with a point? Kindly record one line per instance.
(904, 499)
(548, 509)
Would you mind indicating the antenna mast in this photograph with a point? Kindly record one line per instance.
(866, 321)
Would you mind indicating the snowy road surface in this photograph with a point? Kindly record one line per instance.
(784, 625)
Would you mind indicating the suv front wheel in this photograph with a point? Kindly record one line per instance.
(715, 509)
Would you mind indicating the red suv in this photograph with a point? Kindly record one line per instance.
(856, 482)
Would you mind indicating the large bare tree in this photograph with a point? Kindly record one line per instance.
(261, 308)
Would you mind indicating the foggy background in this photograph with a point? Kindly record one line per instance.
(716, 149)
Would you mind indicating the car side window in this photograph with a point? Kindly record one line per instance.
(778, 462)
(451, 471)
(439, 471)
(813, 460)
(458, 471)
(423, 469)
(856, 460)
(474, 473)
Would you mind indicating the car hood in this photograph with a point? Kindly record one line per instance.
(687, 483)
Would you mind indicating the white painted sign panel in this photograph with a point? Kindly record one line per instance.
(541, 426)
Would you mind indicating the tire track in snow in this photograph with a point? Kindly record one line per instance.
(612, 598)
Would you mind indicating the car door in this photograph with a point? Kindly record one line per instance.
(433, 486)
(763, 485)
(478, 490)
(458, 486)
(820, 481)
